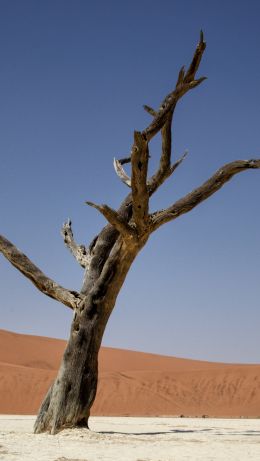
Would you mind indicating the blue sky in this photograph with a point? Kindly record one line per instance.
(73, 78)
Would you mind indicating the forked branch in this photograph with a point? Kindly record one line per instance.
(162, 121)
(143, 189)
(185, 82)
(80, 252)
(156, 180)
(46, 285)
(194, 198)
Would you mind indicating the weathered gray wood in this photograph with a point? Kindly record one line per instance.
(110, 255)
(208, 188)
(163, 117)
(121, 173)
(80, 252)
(46, 285)
(114, 218)
(69, 399)
(164, 169)
(186, 81)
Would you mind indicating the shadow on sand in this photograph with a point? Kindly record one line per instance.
(171, 431)
(184, 431)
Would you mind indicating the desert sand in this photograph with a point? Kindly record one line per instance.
(131, 383)
(134, 439)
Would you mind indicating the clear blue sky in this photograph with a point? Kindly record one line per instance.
(73, 78)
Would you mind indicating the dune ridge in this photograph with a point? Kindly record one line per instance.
(130, 383)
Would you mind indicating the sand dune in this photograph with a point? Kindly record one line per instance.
(131, 383)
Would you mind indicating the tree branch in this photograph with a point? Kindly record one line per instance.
(80, 252)
(125, 160)
(37, 277)
(185, 82)
(150, 110)
(163, 118)
(140, 194)
(114, 218)
(190, 74)
(194, 198)
(178, 162)
(121, 173)
(164, 167)
(154, 184)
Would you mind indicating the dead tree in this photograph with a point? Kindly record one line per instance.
(108, 258)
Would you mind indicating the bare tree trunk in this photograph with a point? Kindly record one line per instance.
(110, 255)
(68, 401)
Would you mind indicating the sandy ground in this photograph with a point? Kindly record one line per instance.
(133, 439)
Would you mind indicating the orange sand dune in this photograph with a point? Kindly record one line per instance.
(131, 383)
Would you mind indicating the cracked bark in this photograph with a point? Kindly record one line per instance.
(109, 256)
(70, 398)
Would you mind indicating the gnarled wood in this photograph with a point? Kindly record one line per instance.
(110, 256)
(46, 285)
(186, 81)
(194, 198)
(115, 219)
(121, 173)
(69, 399)
(80, 252)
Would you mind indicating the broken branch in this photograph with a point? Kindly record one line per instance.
(115, 219)
(121, 173)
(80, 252)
